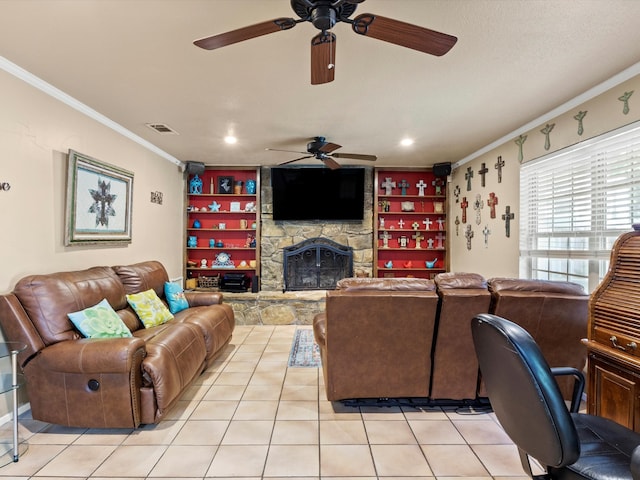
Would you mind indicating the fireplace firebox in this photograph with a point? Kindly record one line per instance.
(316, 264)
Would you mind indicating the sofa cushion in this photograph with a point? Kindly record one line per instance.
(149, 308)
(175, 297)
(540, 286)
(143, 276)
(99, 321)
(460, 280)
(387, 284)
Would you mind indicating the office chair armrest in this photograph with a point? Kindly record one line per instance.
(635, 463)
(578, 386)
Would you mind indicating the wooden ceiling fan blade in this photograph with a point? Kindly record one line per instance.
(295, 160)
(356, 156)
(331, 163)
(245, 33)
(323, 57)
(403, 34)
(329, 147)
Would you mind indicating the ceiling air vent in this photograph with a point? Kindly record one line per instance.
(162, 129)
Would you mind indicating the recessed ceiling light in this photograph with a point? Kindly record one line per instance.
(405, 142)
(230, 139)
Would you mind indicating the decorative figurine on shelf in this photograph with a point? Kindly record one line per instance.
(388, 185)
(427, 223)
(222, 226)
(401, 224)
(408, 264)
(385, 205)
(431, 264)
(196, 223)
(415, 225)
(438, 207)
(438, 184)
(408, 207)
(440, 222)
(219, 244)
(381, 220)
(250, 187)
(440, 238)
(421, 186)
(214, 207)
(212, 242)
(252, 244)
(223, 259)
(430, 243)
(403, 241)
(250, 207)
(418, 237)
(237, 187)
(192, 242)
(195, 185)
(385, 236)
(403, 185)
(389, 264)
(203, 263)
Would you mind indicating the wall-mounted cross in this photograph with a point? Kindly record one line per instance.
(469, 235)
(427, 223)
(404, 185)
(415, 225)
(438, 183)
(421, 186)
(477, 206)
(388, 185)
(385, 236)
(498, 166)
(507, 216)
(483, 171)
(457, 222)
(625, 100)
(440, 238)
(468, 176)
(418, 237)
(546, 131)
(464, 204)
(401, 223)
(486, 232)
(456, 193)
(492, 201)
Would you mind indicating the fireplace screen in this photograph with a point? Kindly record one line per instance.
(316, 264)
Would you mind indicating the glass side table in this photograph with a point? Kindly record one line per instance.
(10, 383)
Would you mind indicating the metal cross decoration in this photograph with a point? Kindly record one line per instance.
(498, 166)
(456, 193)
(625, 100)
(427, 223)
(388, 185)
(469, 235)
(385, 236)
(468, 176)
(440, 239)
(507, 216)
(418, 237)
(546, 131)
(477, 206)
(457, 222)
(486, 232)
(464, 204)
(483, 171)
(492, 201)
(520, 142)
(404, 185)
(421, 186)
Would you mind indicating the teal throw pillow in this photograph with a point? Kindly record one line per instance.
(99, 321)
(175, 297)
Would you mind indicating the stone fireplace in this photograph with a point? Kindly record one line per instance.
(316, 264)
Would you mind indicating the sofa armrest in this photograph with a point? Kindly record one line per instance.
(202, 299)
(112, 355)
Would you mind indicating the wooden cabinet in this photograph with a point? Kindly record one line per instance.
(223, 224)
(410, 228)
(614, 337)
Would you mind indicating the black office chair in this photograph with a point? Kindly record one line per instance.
(528, 403)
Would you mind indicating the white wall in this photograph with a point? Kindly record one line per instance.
(501, 256)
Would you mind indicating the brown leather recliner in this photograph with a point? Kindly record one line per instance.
(111, 382)
(555, 314)
(375, 338)
(455, 366)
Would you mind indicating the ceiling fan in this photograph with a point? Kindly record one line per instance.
(322, 150)
(324, 14)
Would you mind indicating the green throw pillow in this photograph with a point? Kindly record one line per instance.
(175, 297)
(149, 308)
(99, 321)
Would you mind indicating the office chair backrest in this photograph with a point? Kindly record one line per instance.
(523, 393)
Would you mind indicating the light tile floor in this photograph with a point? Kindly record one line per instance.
(249, 416)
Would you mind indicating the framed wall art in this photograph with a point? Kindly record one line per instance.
(99, 201)
(225, 184)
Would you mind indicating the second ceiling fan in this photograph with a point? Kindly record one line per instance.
(324, 14)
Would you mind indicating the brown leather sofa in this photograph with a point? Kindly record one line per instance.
(113, 382)
(554, 313)
(455, 365)
(375, 338)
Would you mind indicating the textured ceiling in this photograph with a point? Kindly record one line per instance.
(134, 62)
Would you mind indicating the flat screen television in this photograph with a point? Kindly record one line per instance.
(317, 193)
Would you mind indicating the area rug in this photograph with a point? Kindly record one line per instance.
(305, 352)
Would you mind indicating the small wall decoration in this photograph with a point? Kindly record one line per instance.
(418, 237)
(440, 222)
(457, 223)
(430, 243)
(407, 206)
(438, 183)
(156, 197)
(192, 241)
(482, 172)
(99, 202)
(468, 176)
(403, 185)
(415, 225)
(388, 185)
(469, 235)
(403, 241)
(234, 207)
(385, 237)
(520, 142)
(546, 131)
(214, 207)
(625, 100)
(195, 185)
(486, 232)
(250, 187)
(421, 186)
(385, 205)
(492, 201)
(507, 216)
(431, 264)
(389, 264)
(456, 193)
(477, 206)
(498, 166)
(401, 224)
(438, 207)
(440, 238)
(427, 223)
(225, 185)
(580, 115)
(463, 205)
